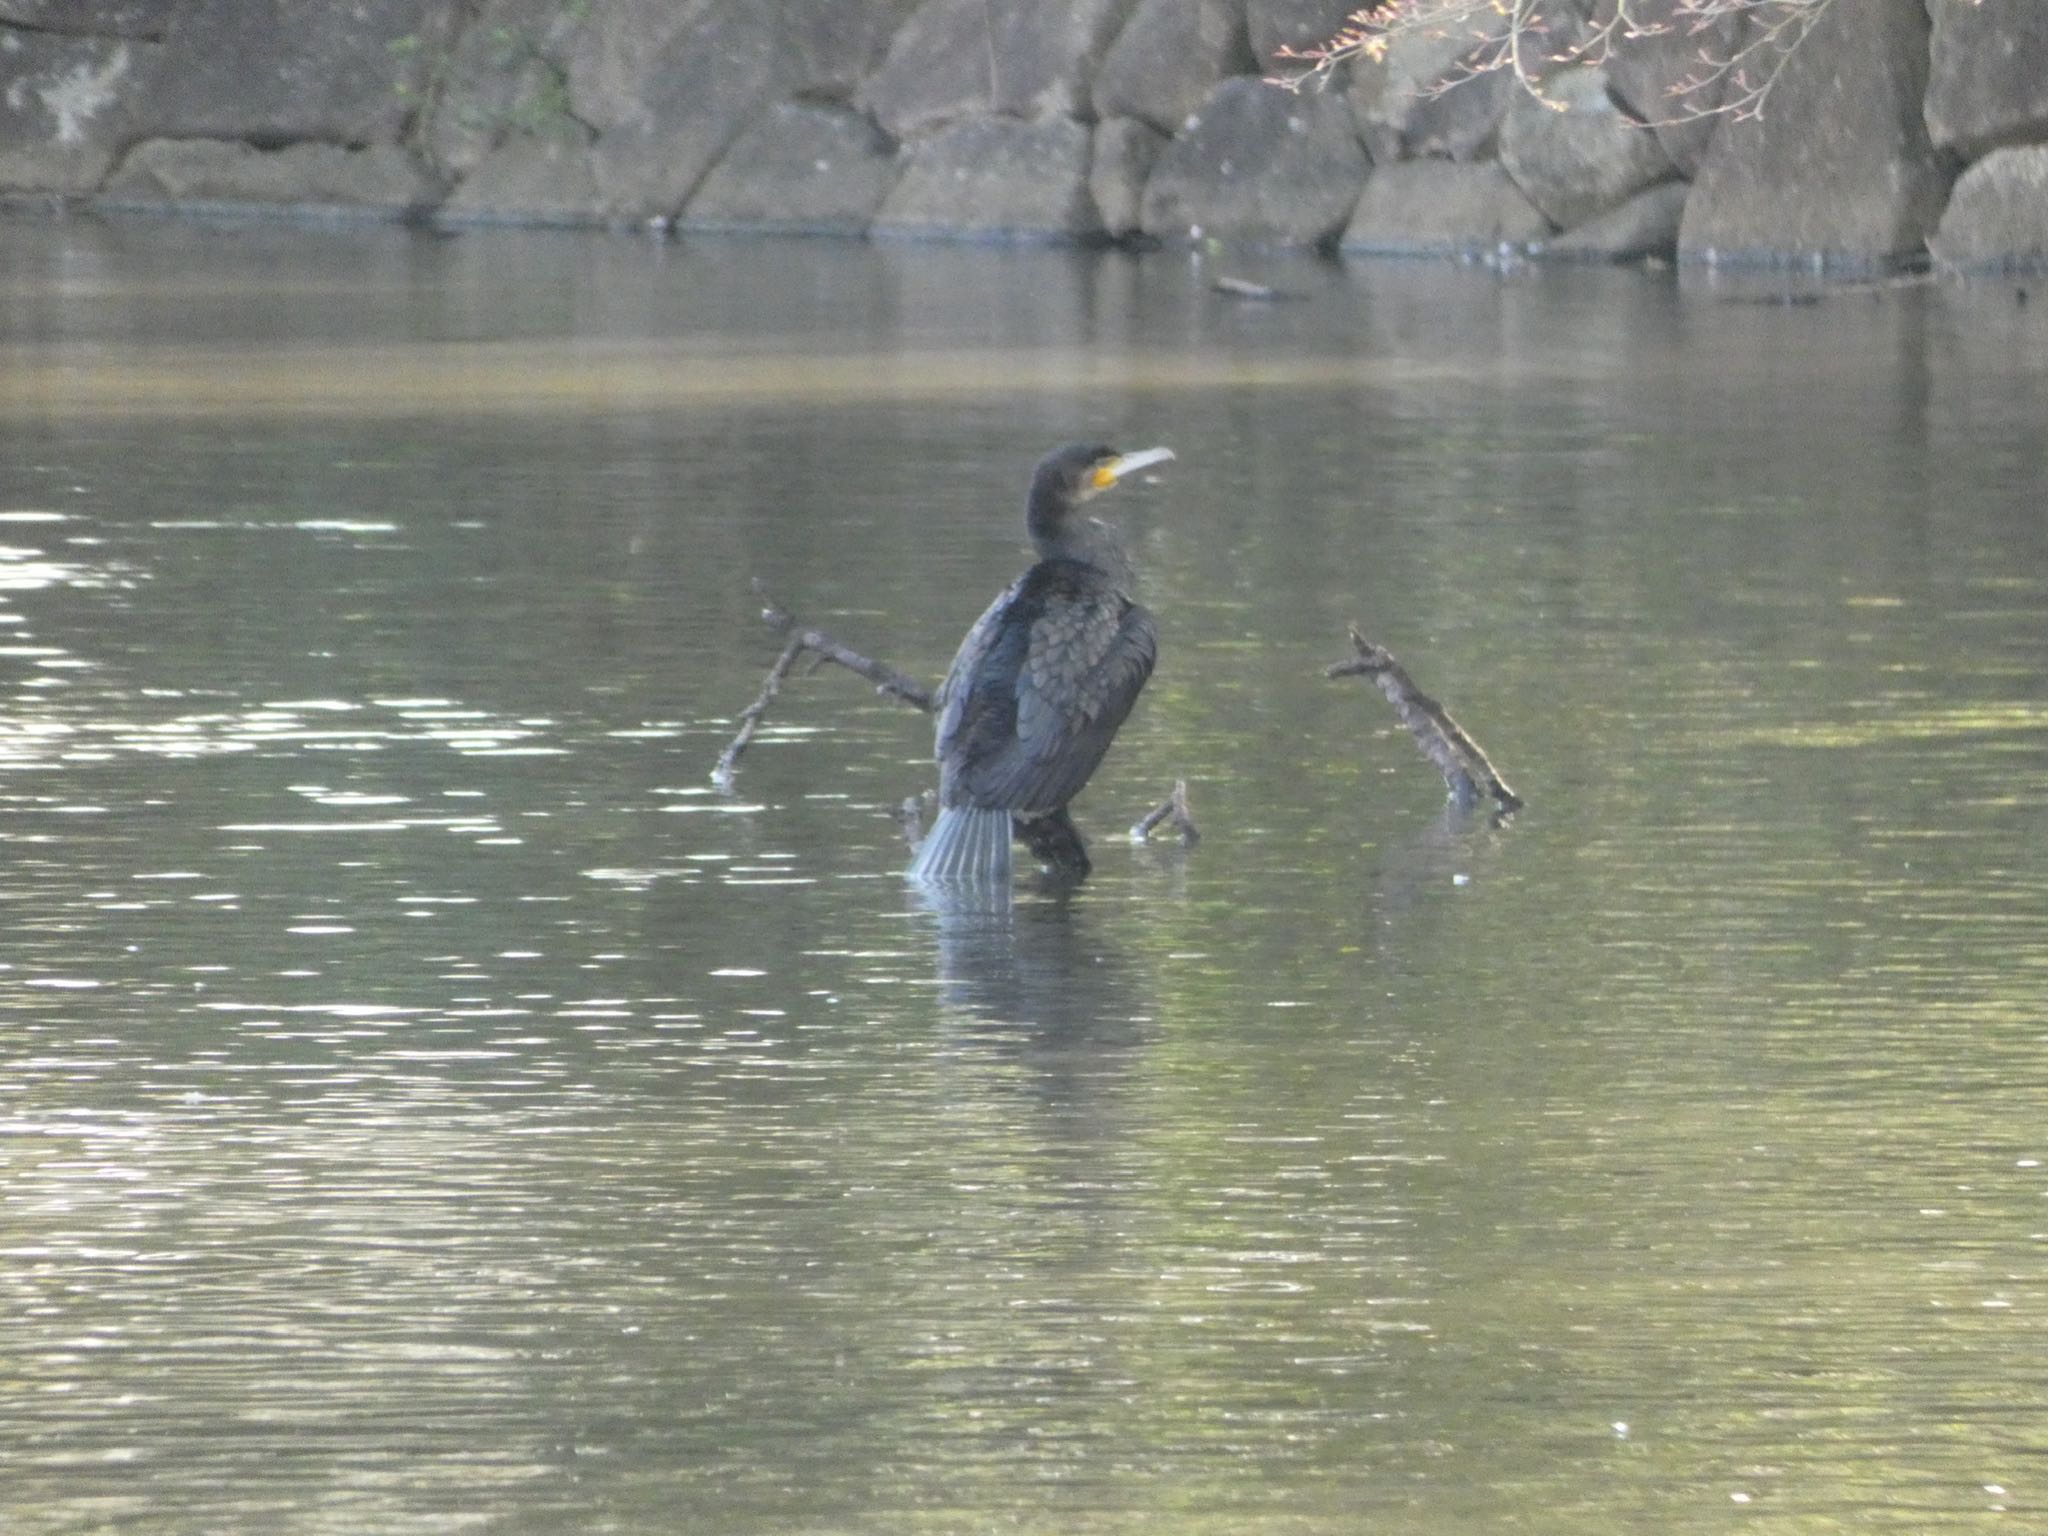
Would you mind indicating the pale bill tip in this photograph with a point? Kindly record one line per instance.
(1144, 458)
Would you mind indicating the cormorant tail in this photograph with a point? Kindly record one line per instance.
(967, 845)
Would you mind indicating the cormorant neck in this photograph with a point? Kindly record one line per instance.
(1085, 541)
(1048, 518)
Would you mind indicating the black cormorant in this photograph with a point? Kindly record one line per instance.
(1040, 684)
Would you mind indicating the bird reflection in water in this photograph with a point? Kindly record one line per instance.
(1031, 974)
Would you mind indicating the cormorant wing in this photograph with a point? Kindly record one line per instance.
(1039, 688)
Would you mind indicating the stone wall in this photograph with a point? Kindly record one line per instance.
(1902, 129)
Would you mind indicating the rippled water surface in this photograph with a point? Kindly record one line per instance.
(427, 1103)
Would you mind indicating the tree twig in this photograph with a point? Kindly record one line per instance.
(1466, 769)
(885, 677)
(1173, 808)
(800, 639)
(750, 717)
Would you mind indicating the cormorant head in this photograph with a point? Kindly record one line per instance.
(1068, 476)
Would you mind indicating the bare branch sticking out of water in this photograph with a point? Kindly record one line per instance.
(910, 818)
(1468, 772)
(885, 677)
(1173, 808)
(802, 639)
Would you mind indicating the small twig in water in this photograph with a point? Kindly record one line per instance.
(802, 639)
(1173, 808)
(885, 677)
(910, 819)
(1466, 769)
(750, 717)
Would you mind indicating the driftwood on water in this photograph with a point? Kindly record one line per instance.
(802, 639)
(1468, 773)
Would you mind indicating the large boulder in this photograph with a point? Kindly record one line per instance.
(1422, 100)
(1258, 163)
(1646, 225)
(305, 178)
(956, 58)
(1987, 74)
(836, 44)
(802, 167)
(1574, 153)
(527, 180)
(1439, 207)
(61, 117)
(1997, 219)
(506, 73)
(1838, 168)
(1662, 68)
(1271, 25)
(273, 72)
(995, 177)
(1169, 57)
(1125, 152)
(667, 85)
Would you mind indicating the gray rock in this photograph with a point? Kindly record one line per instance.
(1168, 58)
(527, 181)
(1125, 152)
(995, 177)
(141, 20)
(1839, 168)
(1418, 101)
(61, 116)
(1271, 25)
(506, 73)
(1645, 225)
(798, 167)
(1987, 74)
(1258, 163)
(1439, 207)
(1661, 76)
(1583, 160)
(274, 74)
(1997, 219)
(380, 179)
(958, 58)
(667, 85)
(836, 44)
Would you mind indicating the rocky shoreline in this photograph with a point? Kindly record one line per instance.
(1903, 132)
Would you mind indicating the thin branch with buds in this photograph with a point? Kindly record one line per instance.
(1518, 36)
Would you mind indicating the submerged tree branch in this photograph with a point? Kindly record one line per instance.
(1466, 769)
(1173, 808)
(803, 638)
(822, 645)
(750, 717)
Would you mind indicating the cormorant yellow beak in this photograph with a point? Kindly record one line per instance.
(1110, 471)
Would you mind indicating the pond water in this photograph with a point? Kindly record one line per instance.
(427, 1103)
